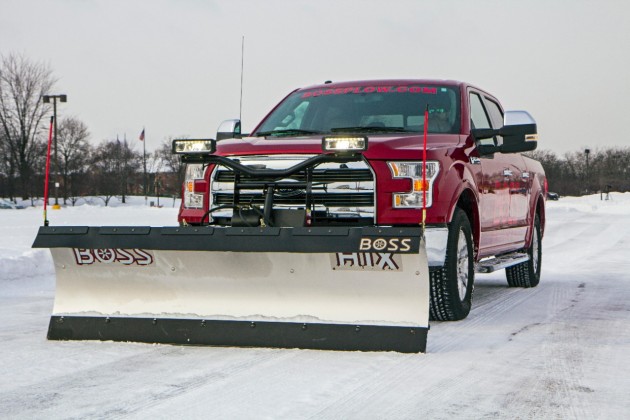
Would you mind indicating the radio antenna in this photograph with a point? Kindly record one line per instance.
(240, 110)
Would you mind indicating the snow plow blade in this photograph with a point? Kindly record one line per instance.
(333, 288)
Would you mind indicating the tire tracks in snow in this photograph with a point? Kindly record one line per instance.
(388, 395)
(110, 390)
(489, 312)
(444, 392)
(553, 384)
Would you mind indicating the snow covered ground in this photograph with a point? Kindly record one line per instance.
(561, 350)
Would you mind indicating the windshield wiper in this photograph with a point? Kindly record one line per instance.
(286, 132)
(370, 130)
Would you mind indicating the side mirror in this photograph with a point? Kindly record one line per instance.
(519, 134)
(229, 129)
(485, 148)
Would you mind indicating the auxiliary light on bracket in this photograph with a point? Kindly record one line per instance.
(194, 146)
(344, 144)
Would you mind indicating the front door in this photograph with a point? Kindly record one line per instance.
(494, 206)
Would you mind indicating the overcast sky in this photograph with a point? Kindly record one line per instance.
(173, 66)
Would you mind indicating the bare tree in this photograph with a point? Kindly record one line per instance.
(7, 171)
(22, 84)
(167, 161)
(608, 170)
(114, 163)
(74, 155)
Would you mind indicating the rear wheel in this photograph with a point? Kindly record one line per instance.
(527, 274)
(452, 284)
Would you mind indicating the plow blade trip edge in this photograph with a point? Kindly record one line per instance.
(320, 288)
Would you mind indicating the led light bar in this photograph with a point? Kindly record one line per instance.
(194, 146)
(344, 144)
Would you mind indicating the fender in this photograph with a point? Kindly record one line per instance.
(537, 199)
(459, 184)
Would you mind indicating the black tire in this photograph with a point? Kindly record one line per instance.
(452, 285)
(527, 274)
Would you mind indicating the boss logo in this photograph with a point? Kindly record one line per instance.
(108, 255)
(382, 244)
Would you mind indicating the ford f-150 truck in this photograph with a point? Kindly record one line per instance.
(485, 201)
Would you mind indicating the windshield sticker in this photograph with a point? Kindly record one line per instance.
(371, 89)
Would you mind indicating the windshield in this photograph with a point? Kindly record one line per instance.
(371, 109)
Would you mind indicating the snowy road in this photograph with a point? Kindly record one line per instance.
(561, 350)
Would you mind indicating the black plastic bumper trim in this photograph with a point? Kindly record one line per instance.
(125, 230)
(187, 231)
(240, 333)
(63, 230)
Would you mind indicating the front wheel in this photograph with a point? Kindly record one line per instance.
(527, 274)
(452, 284)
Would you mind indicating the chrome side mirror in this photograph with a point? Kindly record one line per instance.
(229, 129)
(519, 132)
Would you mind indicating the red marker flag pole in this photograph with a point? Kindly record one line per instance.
(424, 168)
(50, 132)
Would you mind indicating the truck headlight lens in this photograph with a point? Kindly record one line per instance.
(413, 171)
(193, 200)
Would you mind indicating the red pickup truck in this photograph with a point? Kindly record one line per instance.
(485, 201)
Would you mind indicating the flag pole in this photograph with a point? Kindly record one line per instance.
(144, 163)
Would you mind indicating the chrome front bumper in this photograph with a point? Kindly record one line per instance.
(436, 240)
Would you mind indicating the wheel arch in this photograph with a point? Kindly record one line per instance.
(467, 201)
(539, 210)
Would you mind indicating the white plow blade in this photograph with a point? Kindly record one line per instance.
(320, 288)
(369, 289)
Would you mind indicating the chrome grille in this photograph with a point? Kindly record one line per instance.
(320, 175)
(339, 189)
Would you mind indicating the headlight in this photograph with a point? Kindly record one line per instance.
(193, 200)
(413, 171)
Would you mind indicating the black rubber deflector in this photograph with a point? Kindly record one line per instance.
(240, 333)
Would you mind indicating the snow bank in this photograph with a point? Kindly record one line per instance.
(20, 265)
(615, 203)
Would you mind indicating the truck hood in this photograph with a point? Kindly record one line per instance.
(380, 146)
